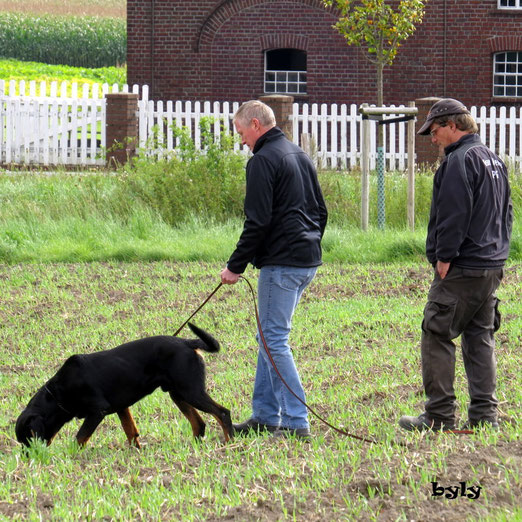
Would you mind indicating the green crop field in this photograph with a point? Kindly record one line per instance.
(84, 41)
(355, 339)
(17, 70)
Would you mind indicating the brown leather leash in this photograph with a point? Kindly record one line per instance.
(267, 350)
(199, 308)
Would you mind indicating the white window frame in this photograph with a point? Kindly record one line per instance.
(502, 4)
(510, 78)
(284, 82)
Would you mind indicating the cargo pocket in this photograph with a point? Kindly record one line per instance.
(498, 317)
(439, 318)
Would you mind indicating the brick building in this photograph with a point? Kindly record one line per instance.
(234, 50)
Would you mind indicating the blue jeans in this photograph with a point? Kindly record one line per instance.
(279, 291)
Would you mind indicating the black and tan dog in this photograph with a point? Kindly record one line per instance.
(94, 385)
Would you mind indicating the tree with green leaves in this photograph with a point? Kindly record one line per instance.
(380, 26)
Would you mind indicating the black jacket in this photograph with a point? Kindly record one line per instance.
(284, 207)
(471, 211)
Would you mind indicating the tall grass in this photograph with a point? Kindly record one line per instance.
(146, 215)
(68, 40)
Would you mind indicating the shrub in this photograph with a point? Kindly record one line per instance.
(189, 182)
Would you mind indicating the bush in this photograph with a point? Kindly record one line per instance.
(188, 182)
(85, 41)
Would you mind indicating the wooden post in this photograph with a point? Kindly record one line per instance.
(411, 171)
(365, 172)
(379, 112)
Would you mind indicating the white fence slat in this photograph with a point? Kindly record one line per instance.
(168, 121)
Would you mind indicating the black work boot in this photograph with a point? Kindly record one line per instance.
(423, 423)
(298, 433)
(480, 423)
(252, 426)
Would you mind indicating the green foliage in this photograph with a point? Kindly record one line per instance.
(379, 25)
(85, 41)
(207, 182)
(11, 69)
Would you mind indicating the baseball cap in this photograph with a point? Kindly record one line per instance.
(443, 107)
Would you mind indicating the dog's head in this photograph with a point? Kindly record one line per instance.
(30, 426)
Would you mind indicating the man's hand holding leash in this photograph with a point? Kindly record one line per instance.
(228, 277)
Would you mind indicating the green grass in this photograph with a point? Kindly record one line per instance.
(17, 70)
(72, 217)
(355, 339)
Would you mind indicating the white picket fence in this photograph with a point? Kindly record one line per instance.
(53, 124)
(60, 124)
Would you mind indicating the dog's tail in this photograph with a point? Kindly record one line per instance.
(209, 344)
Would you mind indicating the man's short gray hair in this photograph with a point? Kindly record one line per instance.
(256, 109)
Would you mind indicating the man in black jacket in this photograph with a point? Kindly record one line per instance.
(468, 242)
(285, 221)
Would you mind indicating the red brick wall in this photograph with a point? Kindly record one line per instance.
(213, 50)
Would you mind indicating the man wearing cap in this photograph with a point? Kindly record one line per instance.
(467, 243)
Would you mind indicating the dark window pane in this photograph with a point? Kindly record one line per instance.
(286, 60)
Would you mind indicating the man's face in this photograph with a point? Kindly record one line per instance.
(249, 132)
(443, 135)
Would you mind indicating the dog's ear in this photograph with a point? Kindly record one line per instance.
(29, 427)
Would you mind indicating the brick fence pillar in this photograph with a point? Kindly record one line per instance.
(282, 107)
(121, 127)
(427, 153)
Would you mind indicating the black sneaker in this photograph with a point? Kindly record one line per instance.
(480, 423)
(252, 426)
(423, 423)
(298, 433)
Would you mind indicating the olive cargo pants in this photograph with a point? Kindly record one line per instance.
(463, 303)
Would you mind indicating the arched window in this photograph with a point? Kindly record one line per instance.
(507, 78)
(285, 71)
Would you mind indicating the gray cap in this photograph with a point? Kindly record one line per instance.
(443, 107)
